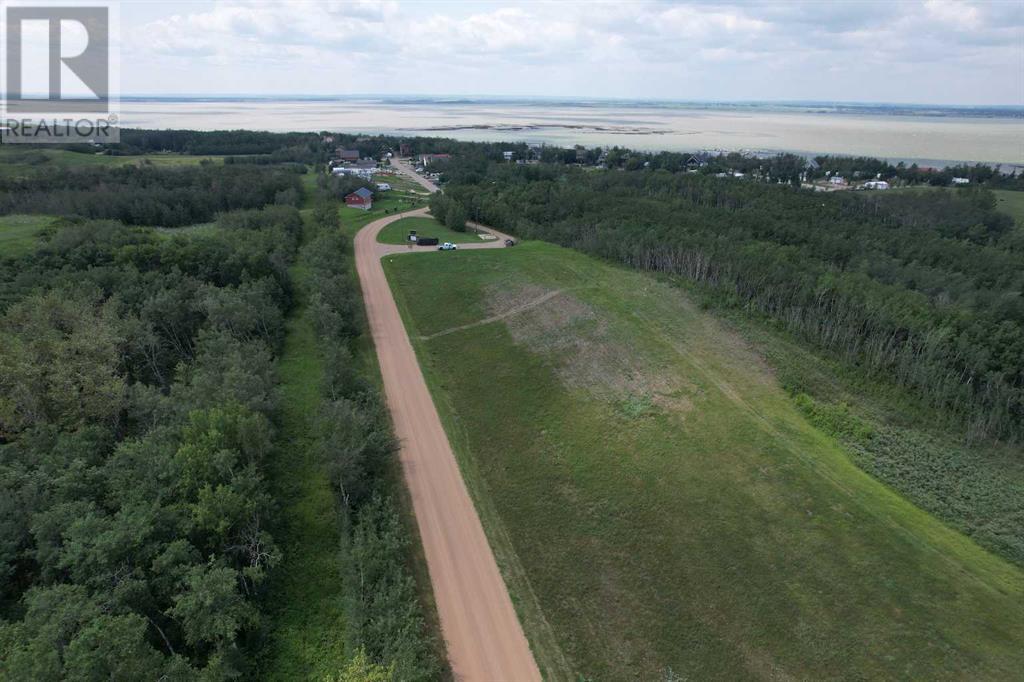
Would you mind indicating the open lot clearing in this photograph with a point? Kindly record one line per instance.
(1011, 203)
(396, 232)
(19, 233)
(658, 503)
(15, 160)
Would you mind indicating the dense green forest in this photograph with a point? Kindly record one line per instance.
(924, 290)
(141, 195)
(139, 415)
(136, 405)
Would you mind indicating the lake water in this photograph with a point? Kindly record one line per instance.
(918, 135)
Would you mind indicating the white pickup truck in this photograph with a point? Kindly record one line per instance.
(447, 246)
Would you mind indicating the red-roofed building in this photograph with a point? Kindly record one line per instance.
(361, 198)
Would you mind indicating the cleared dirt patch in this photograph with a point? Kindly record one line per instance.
(514, 310)
(588, 353)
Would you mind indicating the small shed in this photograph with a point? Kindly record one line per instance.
(361, 198)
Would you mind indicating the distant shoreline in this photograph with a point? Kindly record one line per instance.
(928, 136)
(796, 107)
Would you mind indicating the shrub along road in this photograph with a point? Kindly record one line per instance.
(483, 636)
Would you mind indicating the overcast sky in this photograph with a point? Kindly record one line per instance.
(926, 51)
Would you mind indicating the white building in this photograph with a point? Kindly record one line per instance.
(961, 181)
(837, 180)
(365, 173)
(876, 184)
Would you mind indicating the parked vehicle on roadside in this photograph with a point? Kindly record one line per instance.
(510, 242)
(447, 246)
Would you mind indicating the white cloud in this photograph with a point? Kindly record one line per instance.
(713, 50)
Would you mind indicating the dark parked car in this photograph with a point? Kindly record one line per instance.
(510, 242)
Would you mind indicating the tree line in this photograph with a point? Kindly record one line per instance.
(148, 195)
(920, 289)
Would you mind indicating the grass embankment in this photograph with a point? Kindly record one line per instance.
(976, 487)
(19, 234)
(305, 603)
(396, 232)
(659, 502)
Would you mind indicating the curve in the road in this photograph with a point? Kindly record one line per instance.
(484, 638)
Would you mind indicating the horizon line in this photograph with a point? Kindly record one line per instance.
(580, 98)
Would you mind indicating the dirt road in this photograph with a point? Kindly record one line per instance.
(484, 638)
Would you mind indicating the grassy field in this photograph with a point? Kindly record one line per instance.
(19, 233)
(1011, 203)
(659, 504)
(396, 232)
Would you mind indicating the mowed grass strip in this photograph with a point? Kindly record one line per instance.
(657, 502)
(305, 602)
(398, 232)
